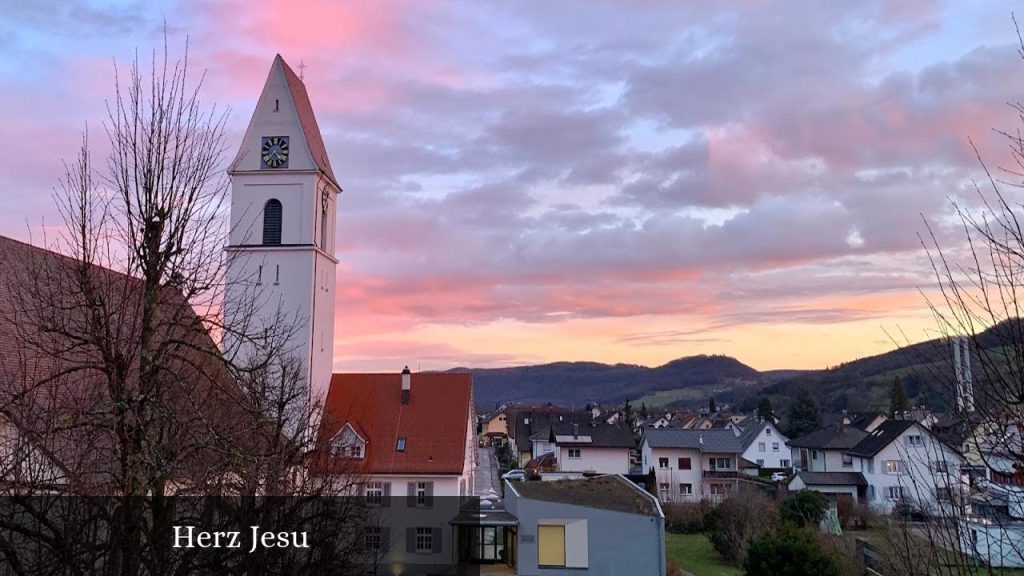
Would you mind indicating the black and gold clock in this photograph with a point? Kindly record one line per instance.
(274, 152)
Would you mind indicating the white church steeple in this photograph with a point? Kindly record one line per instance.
(281, 266)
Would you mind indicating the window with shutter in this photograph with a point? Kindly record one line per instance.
(550, 545)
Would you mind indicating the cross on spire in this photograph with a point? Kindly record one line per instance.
(302, 70)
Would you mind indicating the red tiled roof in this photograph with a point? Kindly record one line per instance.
(434, 423)
(62, 402)
(308, 121)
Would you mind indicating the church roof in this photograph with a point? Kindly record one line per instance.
(52, 387)
(284, 87)
(435, 423)
(310, 129)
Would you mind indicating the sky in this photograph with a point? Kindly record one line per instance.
(629, 181)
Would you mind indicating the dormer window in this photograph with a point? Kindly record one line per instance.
(400, 445)
(347, 443)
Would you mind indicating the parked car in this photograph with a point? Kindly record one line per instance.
(517, 475)
(778, 476)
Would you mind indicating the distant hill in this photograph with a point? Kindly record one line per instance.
(576, 383)
(858, 385)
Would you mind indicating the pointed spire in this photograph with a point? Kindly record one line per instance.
(284, 92)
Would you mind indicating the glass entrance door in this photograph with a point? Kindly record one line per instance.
(487, 544)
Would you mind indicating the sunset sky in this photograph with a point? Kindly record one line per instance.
(627, 181)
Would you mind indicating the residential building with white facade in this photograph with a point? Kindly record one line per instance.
(410, 442)
(902, 461)
(766, 447)
(692, 465)
(827, 448)
(578, 441)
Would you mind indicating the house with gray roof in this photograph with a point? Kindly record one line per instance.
(766, 447)
(578, 441)
(826, 449)
(691, 464)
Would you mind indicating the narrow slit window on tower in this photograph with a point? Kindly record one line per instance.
(272, 222)
(277, 105)
(277, 273)
(259, 275)
(323, 230)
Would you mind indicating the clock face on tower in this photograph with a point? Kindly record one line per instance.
(274, 152)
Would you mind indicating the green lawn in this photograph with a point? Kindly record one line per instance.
(695, 555)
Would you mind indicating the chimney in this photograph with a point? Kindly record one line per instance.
(406, 385)
(575, 430)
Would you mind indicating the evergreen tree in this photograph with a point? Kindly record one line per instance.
(898, 401)
(627, 413)
(790, 551)
(765, 411)
(711, 406)
(803, 415)
(643, 410)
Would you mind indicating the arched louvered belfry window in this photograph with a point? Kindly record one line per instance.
(272, 222)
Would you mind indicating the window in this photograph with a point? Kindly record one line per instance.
(424, 540)
(272, 213)
(871, 491)
(943, 494)
(894, 492)
(871, 466)
(767, 431)
(685, 464)
(784, 463)
(574, 453)
(721, 463)
(259, 275)
(894, 466)
(348, 451)
(400, 445)
(550, 545)
(940, 466)
(847, 461)
(662, 462)
(373, 539)
(421, 493)
(686, 489)
(775, 446)
(814, 454)
(915, 440)
(375, 492)
(323, 229)
(760, 447)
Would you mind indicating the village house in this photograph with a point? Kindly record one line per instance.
(691, 464)
(826, 449)
(992, 528)
(575, 440)
(410, 439)
(765, 446)
(899, 462)
(903, 462)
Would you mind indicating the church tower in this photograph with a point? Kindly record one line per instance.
(281, 265)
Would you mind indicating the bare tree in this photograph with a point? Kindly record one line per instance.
(117, 385)
(980, 279)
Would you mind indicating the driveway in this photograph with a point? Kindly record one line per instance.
(486, 472)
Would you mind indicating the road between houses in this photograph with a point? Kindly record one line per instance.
(486, 472)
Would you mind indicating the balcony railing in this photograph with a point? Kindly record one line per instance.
(721, 474)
